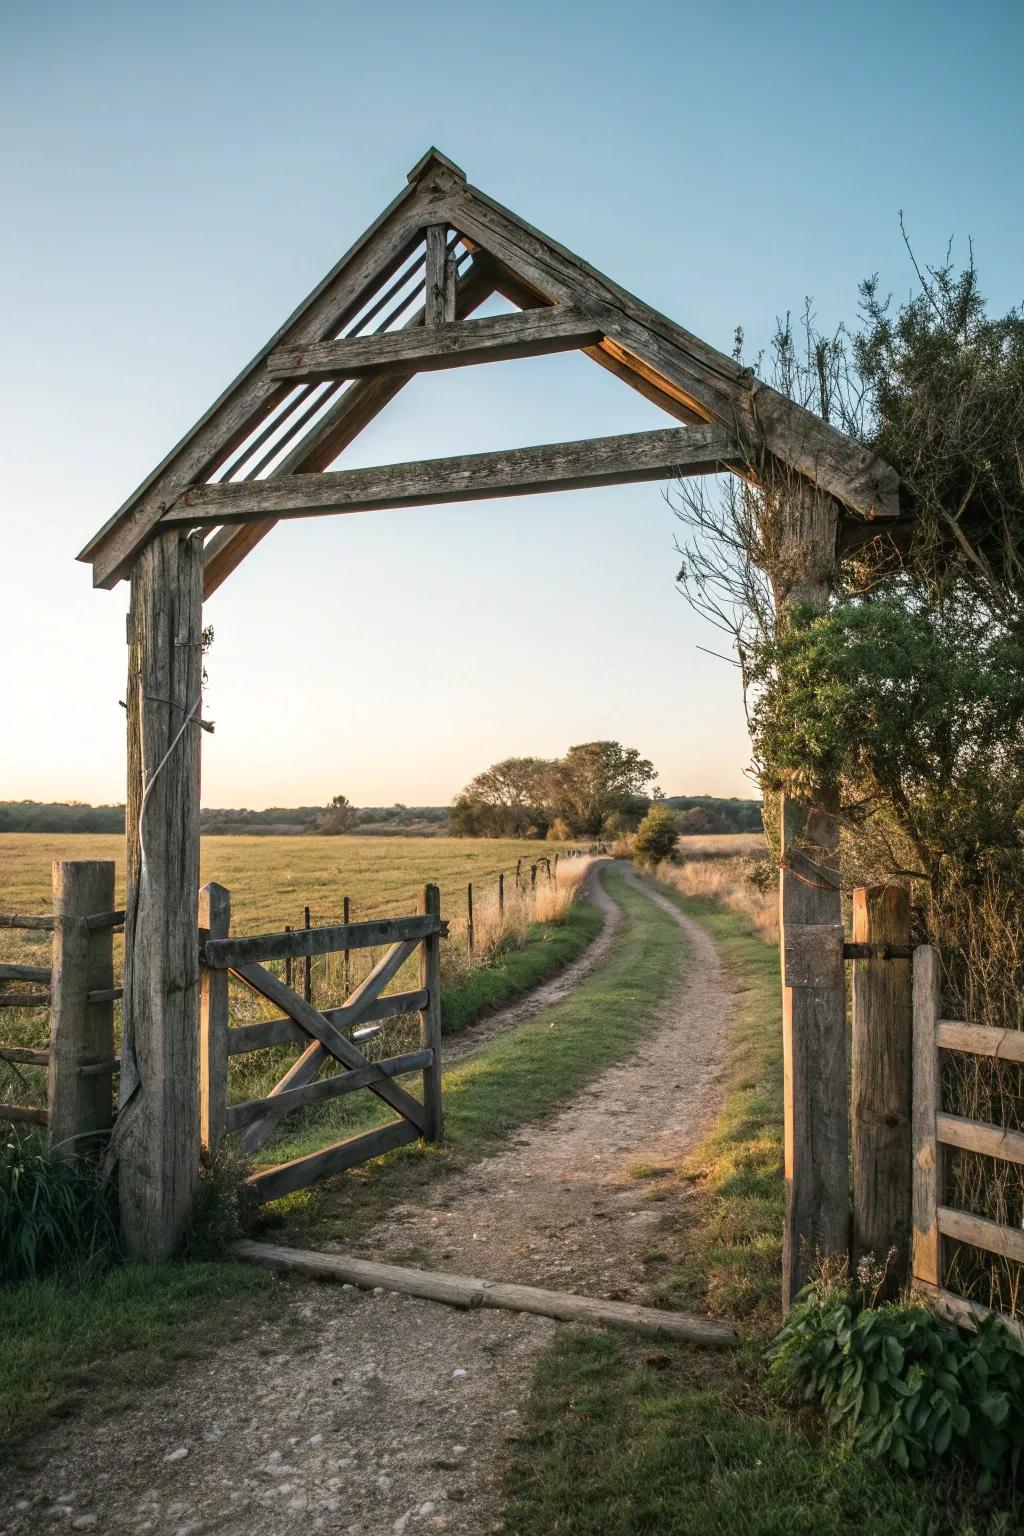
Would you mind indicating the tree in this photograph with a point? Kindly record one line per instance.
(509, 799)
(597, 779)
(336, 818)
(655, 837)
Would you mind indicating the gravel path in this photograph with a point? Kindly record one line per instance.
(378, 1415)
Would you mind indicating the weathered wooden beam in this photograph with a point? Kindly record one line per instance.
(980, 1040)
(992, 1236)
(24, 999)
(929, 1174)
(423, 349)
(81, 1029)
(25, 973)
(435, 291)
(285, 1178)
(215, 919)
(156, 1136)
(882, 1074)
(469, 1292)
(430, 1015)
(964, 1313)
(225, 954)
(24, 1056)
(22, 920)
(340, 425)
(326, 1088)
(591, 462)
(979, 1136)
(244, 1038)
(20, 1114)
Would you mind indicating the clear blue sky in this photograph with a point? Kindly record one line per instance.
(176, 177)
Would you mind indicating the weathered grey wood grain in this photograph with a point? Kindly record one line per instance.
(629, 459)
(980, 1040)
(978, 1136)
(243, 1114)
(20, 1114)
(14, 972)
(421, 349)
(882, 1074)
(24, 1055)
(929, 1191)
(285, 1178)
(81, 1106)
(225, 954)
(430, 1015)
(156, 1138)
(244, 1038)
(214, 918)
(992, 1236)
(469, 1292)
(435, 291)
(23, 920)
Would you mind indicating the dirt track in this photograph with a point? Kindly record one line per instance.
(385, 1414)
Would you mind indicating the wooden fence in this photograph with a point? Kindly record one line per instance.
(935, 1222)
(78, 988)
(320, 1032)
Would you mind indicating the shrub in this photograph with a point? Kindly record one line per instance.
(656, 837)
(223, 1204)
(56, 1214)
(907, 1387)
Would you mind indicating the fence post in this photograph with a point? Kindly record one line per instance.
(519, 871)
(215, 917)
(307, 964)
(348, 952)
(81, 1033)
(469, 916)
(533, 879)
(882, 1077)
(430, 1016)
(501, 895)
(816, 1089)
(555, 875)
(929, 1183)
(288, 961)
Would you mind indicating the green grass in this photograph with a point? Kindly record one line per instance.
(514, 1078)
(622, 1440)
(91, 1349)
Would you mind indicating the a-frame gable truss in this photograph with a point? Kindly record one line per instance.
(320, 380)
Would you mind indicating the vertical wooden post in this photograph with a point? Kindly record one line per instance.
(816, 1102)
(157, 1131)
(307, 964)
(555, 873)
(81, 1033)
(430, 1016)
(929, 1183)
(882, 1076)
(348, 953)
(519, 871)
(215, 917)
(533, 879)
(288, 961)
(469, 916)
(434, 297)
(501, 895)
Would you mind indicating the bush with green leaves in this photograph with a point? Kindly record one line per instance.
(57, 1215)
(656, 837)
(906, 1386)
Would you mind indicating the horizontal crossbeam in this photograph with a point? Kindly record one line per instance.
(223, 954)
(244, 1038)
(423, 349)
(635, 457)
(239, 1115)
(285, 1178)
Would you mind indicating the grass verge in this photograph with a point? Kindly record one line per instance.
(89, 1349)
(620, 1440)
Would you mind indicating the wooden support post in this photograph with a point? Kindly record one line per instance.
(81, 1032)
(430, 1016)
(215, 917)
(501, 895)
(157, 1132)
(345, 917)
(533, 879)
(929, 1182)
(288, 961)
(469, 917)
(816, 1096)
(555, 871)
(435, 295)
(307, 969)
(519, 870)
(882, 1078)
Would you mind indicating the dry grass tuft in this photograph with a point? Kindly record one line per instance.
(734, 884)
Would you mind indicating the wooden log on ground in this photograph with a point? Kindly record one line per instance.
(929, 1182)
(591, 462)
(882, 1074)
(243, 1114)
(81, 1027)
(215, 918)
(469, 1292)
(497, 338)
(156, 1141)
(285, 1178)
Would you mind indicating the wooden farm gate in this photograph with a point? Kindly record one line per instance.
(935, 1222)
(332, 1034)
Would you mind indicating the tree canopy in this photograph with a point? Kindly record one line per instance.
(579, 794)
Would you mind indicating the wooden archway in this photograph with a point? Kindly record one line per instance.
(401, 302)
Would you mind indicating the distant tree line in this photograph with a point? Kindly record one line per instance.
(74, 816)
(698, 815)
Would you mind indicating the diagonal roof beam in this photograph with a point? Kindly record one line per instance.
(339, 426)
(637, 456)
